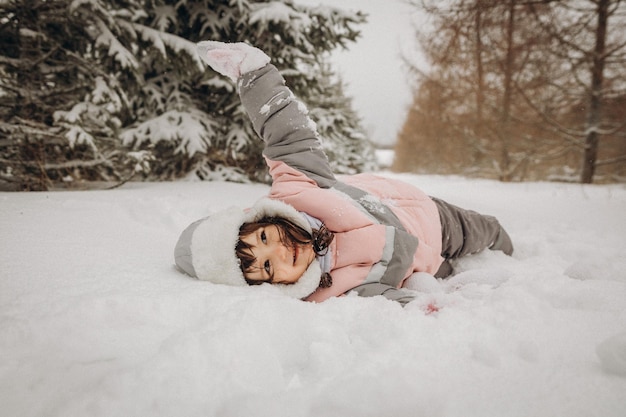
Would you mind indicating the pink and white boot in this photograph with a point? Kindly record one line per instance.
(232, 59)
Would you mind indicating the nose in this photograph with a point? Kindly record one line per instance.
(284, 253)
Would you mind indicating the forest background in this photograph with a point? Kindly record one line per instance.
(520, 90)
(104, 90)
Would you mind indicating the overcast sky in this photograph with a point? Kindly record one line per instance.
(373, 69)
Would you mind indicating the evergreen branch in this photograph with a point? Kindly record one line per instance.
(60, 165)
(123, 181)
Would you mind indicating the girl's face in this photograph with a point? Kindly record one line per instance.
(276, 262)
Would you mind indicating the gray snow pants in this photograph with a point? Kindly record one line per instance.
(465, 232)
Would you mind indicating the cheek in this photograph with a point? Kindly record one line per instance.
(309, 251)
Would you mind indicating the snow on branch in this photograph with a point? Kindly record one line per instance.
(162, 39)
(278, 12)
(93, 5)
(115, 49)
(191, 130)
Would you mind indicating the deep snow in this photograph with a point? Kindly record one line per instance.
(95, 320)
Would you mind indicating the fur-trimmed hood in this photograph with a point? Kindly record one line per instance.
(206, 248)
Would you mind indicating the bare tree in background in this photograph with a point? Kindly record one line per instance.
(477, 53)
(590, 40)
(512, 81)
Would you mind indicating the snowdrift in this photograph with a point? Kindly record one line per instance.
(96, 321)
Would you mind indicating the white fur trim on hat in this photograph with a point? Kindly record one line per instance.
(206, 248)
(267, 207)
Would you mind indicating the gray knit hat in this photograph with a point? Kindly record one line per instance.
(206, 248)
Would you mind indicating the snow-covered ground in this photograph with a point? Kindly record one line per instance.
(95, 320)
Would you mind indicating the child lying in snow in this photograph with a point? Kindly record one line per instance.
(317, 236)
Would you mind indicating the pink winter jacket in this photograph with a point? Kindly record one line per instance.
(384, 229)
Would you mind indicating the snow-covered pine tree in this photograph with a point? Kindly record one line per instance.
(149, 70)
(85, 81)
(61, 106)
(197, 127)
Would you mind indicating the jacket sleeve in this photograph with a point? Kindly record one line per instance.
(397, 294)
(283, 123)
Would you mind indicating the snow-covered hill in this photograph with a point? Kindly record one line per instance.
(95, 320)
